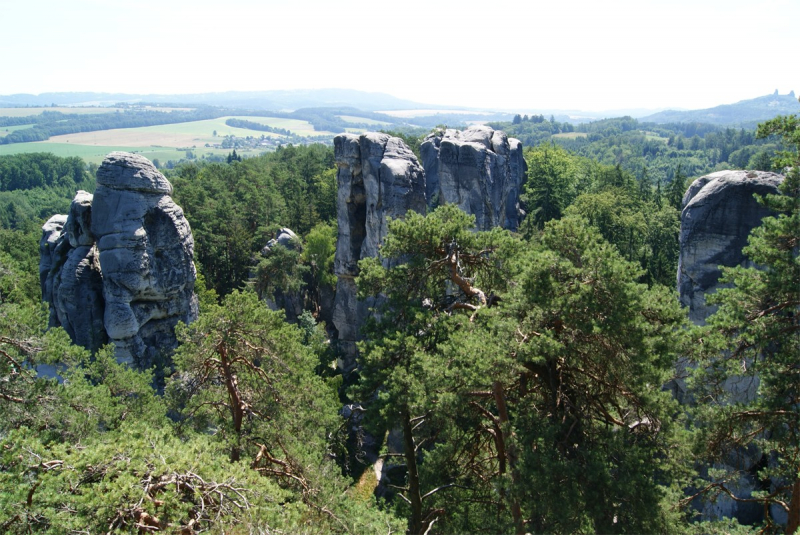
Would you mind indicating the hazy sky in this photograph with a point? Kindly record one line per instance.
(577, 54)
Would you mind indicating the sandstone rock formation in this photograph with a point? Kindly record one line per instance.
(719, 213)
(479, 169)
(69, 270)
(285, 237)
(378, 177)
(291, 302)
(119, 268)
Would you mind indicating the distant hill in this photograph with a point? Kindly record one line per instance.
(287, 100)
(746, 113)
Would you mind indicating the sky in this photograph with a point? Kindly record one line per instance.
(592, 55)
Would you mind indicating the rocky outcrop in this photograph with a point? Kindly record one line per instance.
(120, 267)
(291, 302)
(378, 177)
(69, 270)
(285, 237)
(719, 212)
(479, 169)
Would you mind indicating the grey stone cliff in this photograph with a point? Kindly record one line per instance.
(120, 268)
(479, 169)
(378, 177)
(69, 271)
(719, 212)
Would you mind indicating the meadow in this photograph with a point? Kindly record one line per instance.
(363, 120)
(96, 153)
(29, 111)
(162, 142)
(571, 135)
(5, 130)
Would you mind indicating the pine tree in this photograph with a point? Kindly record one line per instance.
(676, 189)
(754, 338)
(441, 274)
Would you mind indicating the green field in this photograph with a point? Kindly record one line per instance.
(195, 133)
(96, 153)
(5, 130)
(362, 120)
(164, 142)
(653, 135)
(26, 112)
(296, 126)
(571, 135)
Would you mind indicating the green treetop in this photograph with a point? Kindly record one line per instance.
(754, 338)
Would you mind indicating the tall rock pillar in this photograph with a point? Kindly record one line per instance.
(478, 169)
(120, 267)
(719, 212)
(378, 177)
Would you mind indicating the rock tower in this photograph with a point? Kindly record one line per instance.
(719, 212)
(479, 169)
(119, 268)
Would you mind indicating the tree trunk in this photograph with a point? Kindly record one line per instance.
(234, 400)
(793, 522)
(414, 496)
(508, 454)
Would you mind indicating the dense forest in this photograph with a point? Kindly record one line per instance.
(649, 149)
(515, 377)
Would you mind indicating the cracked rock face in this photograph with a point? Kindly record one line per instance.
(378, 177)
(121, 265)
(478, 169)
(719, 211)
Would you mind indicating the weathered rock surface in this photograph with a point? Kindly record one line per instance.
(378, 177)
(69, 272)
(291, 302)
(119, 268)
(479, 169)
(285, 237)
(719, 212)
(50, 255)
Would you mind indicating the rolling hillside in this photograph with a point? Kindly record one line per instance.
(746, 113)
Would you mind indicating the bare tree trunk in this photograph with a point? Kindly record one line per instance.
(414, 496)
